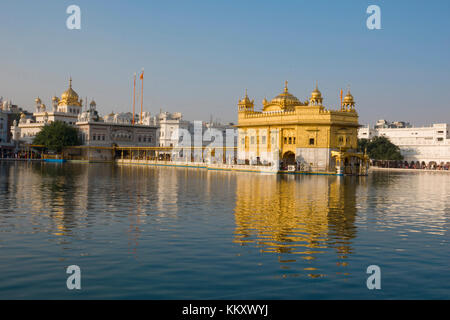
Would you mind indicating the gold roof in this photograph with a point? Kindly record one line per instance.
(69, 97)
(284, 100)
(348, 99)
(316, 94)
(246, 102)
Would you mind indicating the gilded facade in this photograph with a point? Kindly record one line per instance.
(288, 132)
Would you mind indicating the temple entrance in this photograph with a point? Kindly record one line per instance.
(289, 158)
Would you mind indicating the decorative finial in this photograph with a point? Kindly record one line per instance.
(70, 82)
(286, 86)
(246, 93)
(317, 85)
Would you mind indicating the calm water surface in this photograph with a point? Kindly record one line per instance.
(174, 233)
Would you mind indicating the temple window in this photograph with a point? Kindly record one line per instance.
(311, 141)
(263, 140)
(290, 140)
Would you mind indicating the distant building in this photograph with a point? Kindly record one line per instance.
(113, 130)
(417, 144)
(8, 113)
(396, 124)
(169, 128)
(174, 131)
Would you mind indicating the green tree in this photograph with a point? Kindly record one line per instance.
(57, 135)
(380, 148)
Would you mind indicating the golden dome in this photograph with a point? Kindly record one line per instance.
(286, 99)
(55, 99)
(348, 99)
(316, 97)
(70, 97)
(22, 115)
(316, 94)
(37, 100)
(246, 104)
(245, 100)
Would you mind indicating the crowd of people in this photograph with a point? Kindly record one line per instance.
(19, 155)
(411, 165)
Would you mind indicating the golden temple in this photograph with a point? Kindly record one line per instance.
(300, 136)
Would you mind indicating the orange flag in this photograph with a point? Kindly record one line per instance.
(142, 75)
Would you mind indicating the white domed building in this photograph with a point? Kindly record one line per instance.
(114, 129)
(66, 109)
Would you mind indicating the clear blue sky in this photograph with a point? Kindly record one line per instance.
(199, 56)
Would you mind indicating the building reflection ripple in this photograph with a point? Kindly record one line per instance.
(297, 217)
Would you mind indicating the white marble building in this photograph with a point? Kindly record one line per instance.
(114, 129)
(8, 112)
(422, 144)
(174, 131)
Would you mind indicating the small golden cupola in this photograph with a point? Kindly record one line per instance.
(316, 97)
(265, 102)
(349, 102)
(69, 97)
(246, 104)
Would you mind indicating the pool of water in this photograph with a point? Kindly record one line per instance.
(180, 233)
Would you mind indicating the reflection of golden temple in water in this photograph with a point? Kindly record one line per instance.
(296, 215)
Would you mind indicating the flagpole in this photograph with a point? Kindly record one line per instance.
(134, 97)
(142, 95)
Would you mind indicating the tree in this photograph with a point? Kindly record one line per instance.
(380, 148)
(57, 135)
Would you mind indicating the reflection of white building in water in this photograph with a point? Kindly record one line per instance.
(423, 144)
